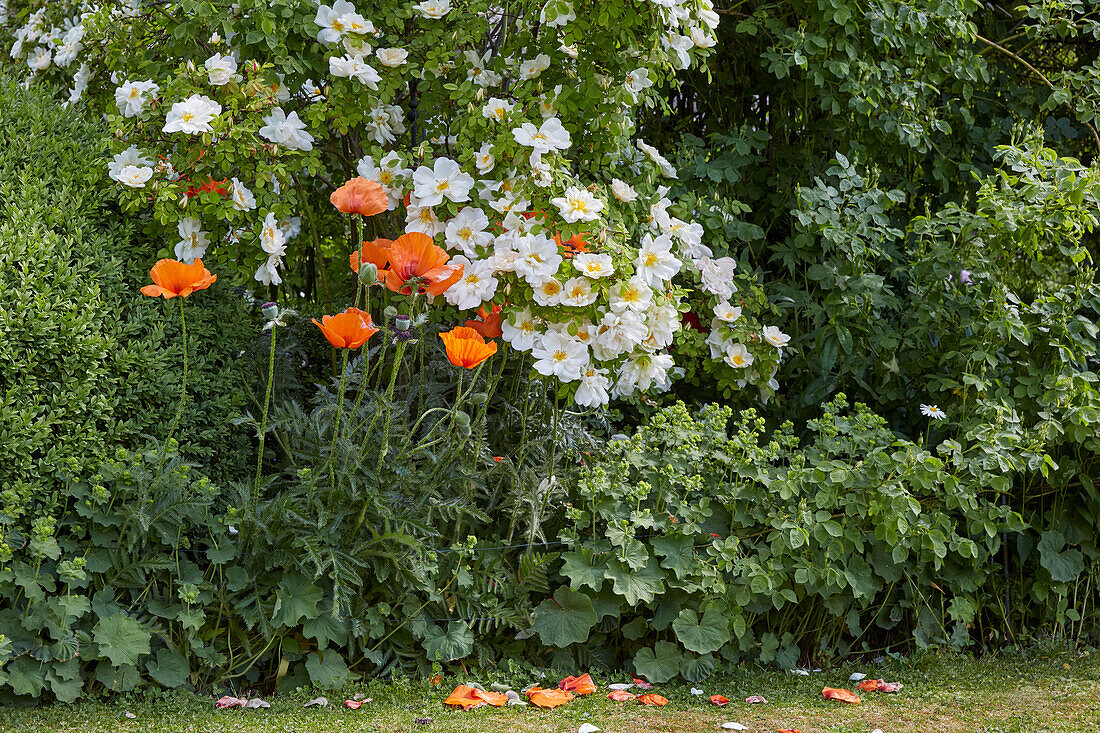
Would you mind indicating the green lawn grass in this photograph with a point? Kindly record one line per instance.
(1055, 691)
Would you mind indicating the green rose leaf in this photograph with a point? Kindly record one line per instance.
(295, 599)
(456, 643)
(565, 619)
(169, 669)
(659, 664)
(707, 634)
(637, 586)
(121, 639)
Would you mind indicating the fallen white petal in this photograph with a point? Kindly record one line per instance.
(857, 676)
(733, 726)
(129, 715)
(588, 728)
(621, 686)
(696, 691)
(317, 702)
(800, 672)
(877, 730)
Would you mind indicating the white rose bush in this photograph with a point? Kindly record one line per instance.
(505, 133)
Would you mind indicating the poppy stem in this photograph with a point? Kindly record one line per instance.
(336, 426)
(386, 431)
(389, 406)
(267, 403)
(183, 383)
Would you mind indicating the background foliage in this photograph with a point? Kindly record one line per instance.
(911, 188)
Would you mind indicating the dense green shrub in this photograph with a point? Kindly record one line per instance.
(87, 363)
(695, 545)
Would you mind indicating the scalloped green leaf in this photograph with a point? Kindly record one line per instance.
(702, 635)
(565, 619)
(659, 664)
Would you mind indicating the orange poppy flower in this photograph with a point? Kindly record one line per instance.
(466, 347)
(548, 698)
(173, 278)
(582, 685)
(471, 697)
(347, 330)
(621, 696)
(487, 323)
(830, 693)
(652, 699)
(376, 252)
(360, 196)
(414, 256)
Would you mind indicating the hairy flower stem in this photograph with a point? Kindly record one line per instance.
(386, 430)
(336, 427)
(267, 403)
(389, 405)
(359, 249)
(183, 383)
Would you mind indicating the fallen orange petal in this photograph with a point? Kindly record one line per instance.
(869, 685)
(652, 699)
(620, 696)
(464, 698)
(582, 685)
(719, 700)
(548, 698)
(353, 704)
(789, 730)
(831, 693)
(642, 684)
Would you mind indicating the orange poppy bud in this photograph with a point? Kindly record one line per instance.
(347, 330)
(173, 278)
(466, 348)
(360, 196)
